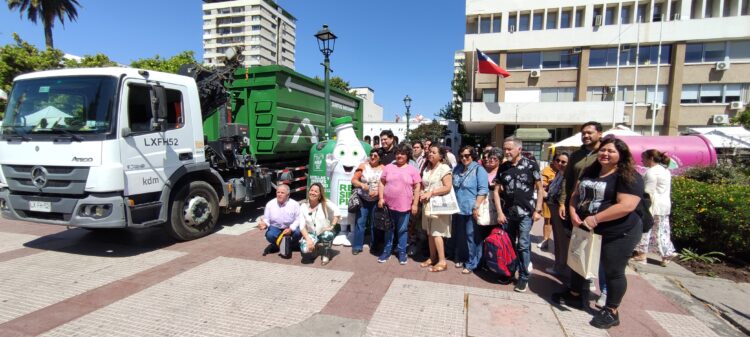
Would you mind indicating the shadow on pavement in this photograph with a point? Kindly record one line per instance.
(104, 242)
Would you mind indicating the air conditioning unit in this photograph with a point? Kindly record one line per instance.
(675, 16)
(598, 20)
(736, 105)
(655, 106)
(576, 50)
(722, 65)
(625, 48)
(512, 28)
(609, 90)
(720, 119)
(535, 73)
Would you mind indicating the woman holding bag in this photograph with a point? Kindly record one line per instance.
(471, 186)
(436, 181)
(321, 216)
(367, 178)
(604, 201)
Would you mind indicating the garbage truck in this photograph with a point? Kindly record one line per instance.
(132, 148)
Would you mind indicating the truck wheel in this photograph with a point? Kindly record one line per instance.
(193, 211)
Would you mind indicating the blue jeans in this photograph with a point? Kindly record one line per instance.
(273, 233)
(400, 226)
(480, 233)
(364, 215)
(462, 238)
(519, 228)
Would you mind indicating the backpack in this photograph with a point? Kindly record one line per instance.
(500, 257)
(643, 210)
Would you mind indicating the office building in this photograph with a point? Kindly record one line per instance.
(681, 64)
(371, 111)
(265, 32)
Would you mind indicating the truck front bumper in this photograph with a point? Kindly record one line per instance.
(100, 210)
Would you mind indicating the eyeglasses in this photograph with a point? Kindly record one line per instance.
(493, 158)
(466, 155)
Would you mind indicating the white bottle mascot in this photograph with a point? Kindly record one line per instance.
(341, 164)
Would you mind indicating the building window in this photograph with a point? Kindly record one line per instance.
(566, 94)
(642, 94)
(207, 12)
(712, 93)
(597, 13)
(648, 55)
(538, 21)
(238, 9)
(675, 10)
(641, 14)
(565, 19)
(559, 59)
(496, 23)
(609, 18)
(255, 27)
(485, 24)
(739, 50)
(656, 15)
(625, 14)
(532, 60)
(552, 20)
(512, 23)
(709, 10)
(715, 51)
(523, 24)
(489, 95)
(515, 61)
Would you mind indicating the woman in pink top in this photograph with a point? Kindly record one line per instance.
(399, 189)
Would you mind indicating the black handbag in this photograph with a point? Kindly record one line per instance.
(382, 218)
(355, 202)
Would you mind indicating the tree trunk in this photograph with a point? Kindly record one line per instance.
(48, 35)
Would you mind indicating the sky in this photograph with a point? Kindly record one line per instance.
(395, 47)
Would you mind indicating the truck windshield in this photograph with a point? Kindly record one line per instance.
(73, 106)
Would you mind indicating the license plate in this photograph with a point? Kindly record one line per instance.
(40, 206)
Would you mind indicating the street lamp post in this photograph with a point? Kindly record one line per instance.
(326, 42)
(407, 104)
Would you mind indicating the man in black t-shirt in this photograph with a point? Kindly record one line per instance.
(518, 177)
(387, 143)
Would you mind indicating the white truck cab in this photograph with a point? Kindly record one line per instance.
(107, 148)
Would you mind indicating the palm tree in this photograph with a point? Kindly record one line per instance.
(47, 11)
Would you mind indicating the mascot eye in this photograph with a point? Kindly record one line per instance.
(341, 153)
(356, 153)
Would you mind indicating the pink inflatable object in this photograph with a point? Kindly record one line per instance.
(685, 151)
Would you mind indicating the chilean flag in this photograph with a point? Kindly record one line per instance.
(487, 66)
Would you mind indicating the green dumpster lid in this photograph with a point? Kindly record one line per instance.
(341, 120)
(532, 134)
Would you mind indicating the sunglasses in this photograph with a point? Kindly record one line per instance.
(466, 155)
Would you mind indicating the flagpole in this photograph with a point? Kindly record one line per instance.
(617, 72)
(473, 78)
(635, 77)
(656, 85)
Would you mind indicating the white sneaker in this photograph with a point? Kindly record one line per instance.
(592, 286)
(349, 238)
(602, 301)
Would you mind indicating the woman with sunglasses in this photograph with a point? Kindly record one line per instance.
(436, 181)
(472, 186)
(367, 179)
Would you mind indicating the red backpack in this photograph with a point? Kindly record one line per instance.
(500, 257)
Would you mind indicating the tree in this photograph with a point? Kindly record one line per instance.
(433, 131)
(336, 82)
(743, 118)
(22, 57)
(170, 65)
(46, 11)
(91, 61)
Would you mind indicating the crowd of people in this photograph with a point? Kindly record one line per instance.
(595, 188)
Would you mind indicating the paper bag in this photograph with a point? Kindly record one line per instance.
(583, 253)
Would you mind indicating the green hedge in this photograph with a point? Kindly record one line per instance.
(710, 216)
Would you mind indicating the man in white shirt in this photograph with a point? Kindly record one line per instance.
(281, 216)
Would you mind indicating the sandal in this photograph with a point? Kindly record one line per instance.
(459, 265)
(466, 271)
(438, 268)
(425, 264)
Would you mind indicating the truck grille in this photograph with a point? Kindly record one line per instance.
(60, 180)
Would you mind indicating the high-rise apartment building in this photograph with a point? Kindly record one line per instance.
(265, 31)
(666, 64)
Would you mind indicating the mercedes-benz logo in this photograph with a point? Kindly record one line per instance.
(39, 176)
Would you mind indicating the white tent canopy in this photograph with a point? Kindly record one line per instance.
(3, 95)
(575, 140)
(725, 137)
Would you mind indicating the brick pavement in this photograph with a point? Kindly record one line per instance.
(71, 282)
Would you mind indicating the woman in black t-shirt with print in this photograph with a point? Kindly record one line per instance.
(604, 201)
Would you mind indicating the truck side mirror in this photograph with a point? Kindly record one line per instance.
(159, 106)
(126, 132)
